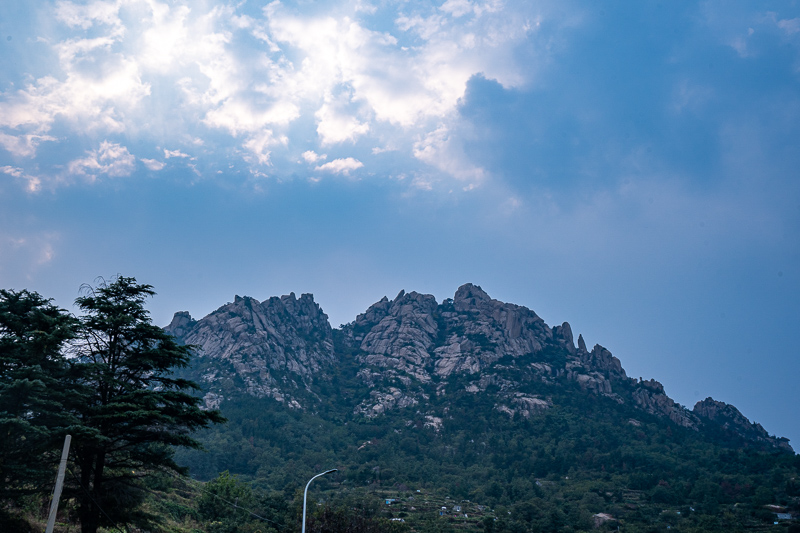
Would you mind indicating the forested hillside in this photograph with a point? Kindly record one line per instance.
(546, 437)
(469, 414)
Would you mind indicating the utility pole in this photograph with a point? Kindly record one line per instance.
(62, 467)
(305, 493)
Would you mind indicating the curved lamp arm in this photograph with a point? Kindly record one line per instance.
(305, 493)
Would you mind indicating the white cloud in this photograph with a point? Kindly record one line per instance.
(341, 166)
(239, 116)
(23, 145)
(457, 8)
(153, 164)
(175, 153)
(91, 98)
(259, 143)
(443, 152)
(167, 39)
(401, 85)
(335, 127)
(110, 159)
(422, 182)
(156, 70)
(86, 15)
(311, 156)
(21, 255)
(32, 183)
(790, 26)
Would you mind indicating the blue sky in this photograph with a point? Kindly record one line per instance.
(631, 168)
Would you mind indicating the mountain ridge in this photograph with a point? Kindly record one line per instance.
(412, 347)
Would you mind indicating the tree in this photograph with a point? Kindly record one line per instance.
(225, 503)
(133, 410)
(33, 421)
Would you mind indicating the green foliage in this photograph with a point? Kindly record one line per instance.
(107, 379)
(225, 503)
(33, 421)
(552, 472)
(132, 410)
(131, 402)
(330, 519)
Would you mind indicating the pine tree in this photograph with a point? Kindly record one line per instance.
(132, 408)
(33, 421)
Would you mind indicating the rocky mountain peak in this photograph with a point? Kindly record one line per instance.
(412, 347)
(468, 296)
(581, 344)
(563, 335)
(400, 334)
(274, 347)
(732, 420)
(181, 323)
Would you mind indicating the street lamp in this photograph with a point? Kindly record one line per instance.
(305, 493)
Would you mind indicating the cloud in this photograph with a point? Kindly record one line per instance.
(249, 81)
(153, 164)
(98, 89)
(341, 166)
(23, 145)
(334, 126)
(175, 153)
(87, 15)
(32, 183)
(259, 143)
(22, 255)
(110, 159)
(443, 151)
(310, 156)
(790, 26)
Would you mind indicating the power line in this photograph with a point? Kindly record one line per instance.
(281, 527)
(232, 504)
(89, 494)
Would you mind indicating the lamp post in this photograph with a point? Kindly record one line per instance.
(305, 493)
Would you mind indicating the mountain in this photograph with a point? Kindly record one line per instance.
(412, 347)
(273, 348)
(475, 404)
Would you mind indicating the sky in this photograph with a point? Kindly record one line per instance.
(630, 167)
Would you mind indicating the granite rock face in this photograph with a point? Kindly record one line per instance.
(400, 334)
(416, 340)
(732, 420)
(480, 331)
(275, 347)
(405, 351)
(650, 396)
(415, 335)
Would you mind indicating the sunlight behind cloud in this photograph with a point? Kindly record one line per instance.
(147, 68)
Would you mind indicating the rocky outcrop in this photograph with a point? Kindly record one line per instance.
(412, 348)
(400, 334)
(523, 404)
(480, 331)
(600, 360)
(563, 335)
(732, 420)
(182, 323)
(581, 344)
(650, 396)
(380, 402)
(596, 370)
(414, 335)
(274, 346)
